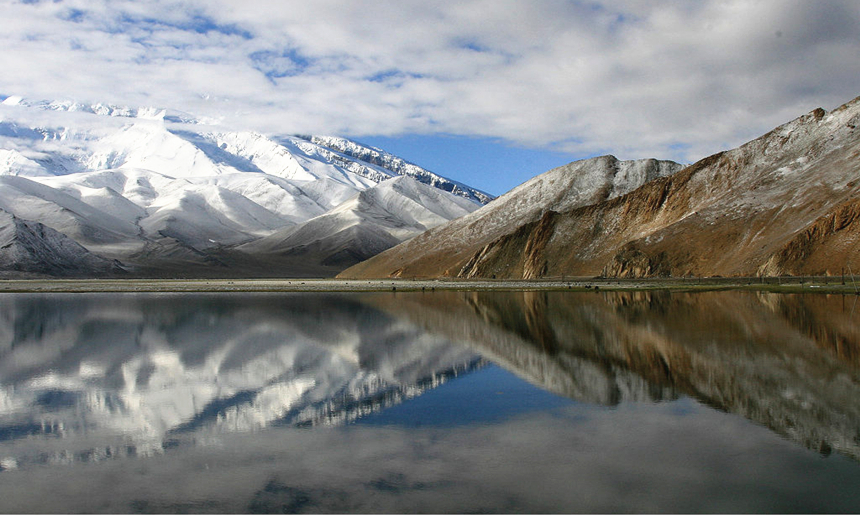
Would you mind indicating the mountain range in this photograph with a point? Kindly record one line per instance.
(155, 192)
(784, 203)
(445, 250)
(92, 189)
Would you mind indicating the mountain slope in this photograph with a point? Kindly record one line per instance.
(399, 166)
(30, 247)
(373, 220)
(444, 250)
(30, 199)
(165, 193)
(784, 203)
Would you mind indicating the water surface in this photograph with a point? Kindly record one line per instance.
(429, 402)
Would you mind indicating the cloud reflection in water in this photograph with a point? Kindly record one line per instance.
(211, 389)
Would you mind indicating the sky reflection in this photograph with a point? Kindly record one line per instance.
(632, 457)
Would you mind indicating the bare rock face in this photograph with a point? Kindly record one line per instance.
(633, 263)
(785, 203)
(821, 246)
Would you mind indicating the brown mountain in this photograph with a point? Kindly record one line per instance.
(785, 203)
(788, 362)
(444, 249)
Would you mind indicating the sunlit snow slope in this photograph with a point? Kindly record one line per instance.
(170, 195)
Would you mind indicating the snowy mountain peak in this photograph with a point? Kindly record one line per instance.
(398, 166)
(102, 109)
(168, 193)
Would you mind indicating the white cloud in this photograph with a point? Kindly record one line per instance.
(635, 78)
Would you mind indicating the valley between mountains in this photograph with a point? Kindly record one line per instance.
(93, 190)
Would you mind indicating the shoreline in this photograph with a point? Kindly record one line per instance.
(831, 285)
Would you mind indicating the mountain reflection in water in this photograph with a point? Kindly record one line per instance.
(155, 367)
(217, 392)
(789, 362)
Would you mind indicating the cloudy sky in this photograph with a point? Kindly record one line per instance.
(490, 92)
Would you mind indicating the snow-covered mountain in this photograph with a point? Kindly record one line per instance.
(165, 193)
(398, 165)
(363, 226)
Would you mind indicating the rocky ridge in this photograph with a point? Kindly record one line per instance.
(784, 203)
(399, 166)
(32, 248)
(444, 250)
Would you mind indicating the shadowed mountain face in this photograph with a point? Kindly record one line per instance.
(788, 362)
(32, 248)
(785, 203)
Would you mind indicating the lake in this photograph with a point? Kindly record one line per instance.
(430, 402)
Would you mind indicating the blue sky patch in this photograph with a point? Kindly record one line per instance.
(73, 15)
(276, 65)
(196, 23)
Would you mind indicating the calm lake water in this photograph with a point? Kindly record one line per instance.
(430, 402)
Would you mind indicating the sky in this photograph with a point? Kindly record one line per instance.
(487, 92)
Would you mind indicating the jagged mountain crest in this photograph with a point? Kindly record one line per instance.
(369, 162)
(107, 109)
(397, 165)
